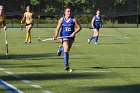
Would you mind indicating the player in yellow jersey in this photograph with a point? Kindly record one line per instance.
(2, 18)
(28, 19)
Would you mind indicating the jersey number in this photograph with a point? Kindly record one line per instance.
(68, 29)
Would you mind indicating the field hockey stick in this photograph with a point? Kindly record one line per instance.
(50, 39)
(0, 28)
(21, 26)
(6, 42)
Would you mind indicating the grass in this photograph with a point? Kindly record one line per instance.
(110, 67)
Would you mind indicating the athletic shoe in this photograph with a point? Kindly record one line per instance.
(25, 41)
(29, 42)
(96, 43)
(88, 40)
(59, 52)
(67, 68)
(70, 70)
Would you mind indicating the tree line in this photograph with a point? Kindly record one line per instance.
(82, 6)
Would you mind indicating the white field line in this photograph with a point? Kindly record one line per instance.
(47, 91)
(8, 72)
(97, 71)
(114, 36)
(12, 74)
(107, 35)
(93, 71)
(28, 72)
(2, 68)
(86, 55)
(26, 81)
(36, 86)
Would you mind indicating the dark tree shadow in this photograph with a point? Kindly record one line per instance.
(27, 56)
(33, 56)
(115, 89)
(115, 67)
(63, 76)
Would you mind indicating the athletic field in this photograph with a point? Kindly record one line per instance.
(113, 66)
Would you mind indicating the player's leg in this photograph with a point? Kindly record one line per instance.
(96, 34)
(29, 31)
(60, 50)
(67, 46)
(28, 34)
(90, 38)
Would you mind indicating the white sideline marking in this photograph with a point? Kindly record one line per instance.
(47, 92)
(11, 73)
(86, 55)
(126, 37)
(116, 36)
(26, 81)
(8, 72)
(2, 68)
(28, 72)
(36, 86)
(12, 87)
(94, 71)
(24, 45)
(106, 35)
(97, 71)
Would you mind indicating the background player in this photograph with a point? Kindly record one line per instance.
(96, 23)
(67, 24)
(28, 19)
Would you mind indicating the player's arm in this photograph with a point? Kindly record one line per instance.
(58, 28)
(23, 19)
(92, 22)
(77, 29)
(31, 18)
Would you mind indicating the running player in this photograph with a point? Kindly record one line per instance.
(28, 19)
(67, 24)
(96, 23)
(2, 18)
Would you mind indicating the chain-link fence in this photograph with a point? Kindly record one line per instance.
(115, 15)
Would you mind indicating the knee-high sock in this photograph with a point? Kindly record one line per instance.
(66, 58)
(27, 36)
(96, 39)
(61, 49)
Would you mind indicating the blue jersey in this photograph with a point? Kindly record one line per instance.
(67, 27)
(97, 22)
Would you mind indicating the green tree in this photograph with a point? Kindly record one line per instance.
(35, 2)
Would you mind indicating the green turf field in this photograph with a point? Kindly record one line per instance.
(113, 66)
